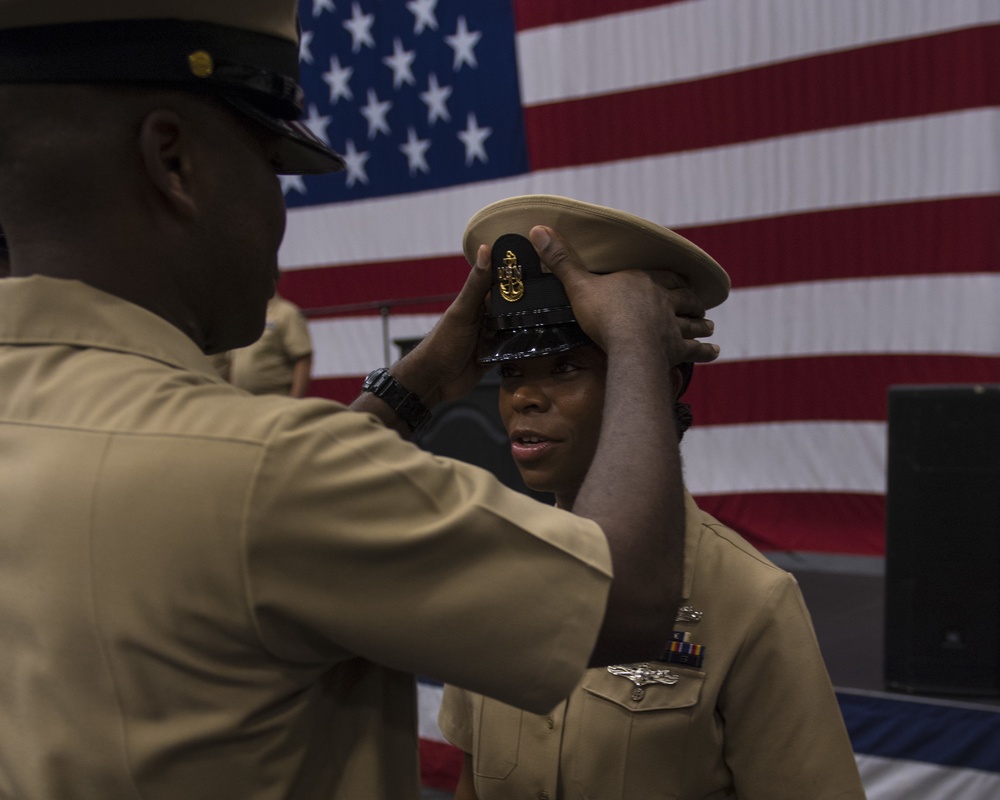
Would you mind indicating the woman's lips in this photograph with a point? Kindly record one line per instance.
(530, 446)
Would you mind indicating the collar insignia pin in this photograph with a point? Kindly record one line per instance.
(643, 674)
(687, 613)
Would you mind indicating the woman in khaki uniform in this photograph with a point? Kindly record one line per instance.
(740, 704)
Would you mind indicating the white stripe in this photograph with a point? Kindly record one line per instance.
(353, 346)
(428, 705)
(688, 41)
(798, 561)
(891, 779)
(945, 155)
(785, 457)
(924, 314)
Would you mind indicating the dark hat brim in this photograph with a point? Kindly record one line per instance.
(500, 346)
(299, 152)
(253, 71)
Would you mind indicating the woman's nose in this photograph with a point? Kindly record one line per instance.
(527, 396)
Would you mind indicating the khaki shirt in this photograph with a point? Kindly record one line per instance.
(758, 720)
(207, 594)
(265, 367)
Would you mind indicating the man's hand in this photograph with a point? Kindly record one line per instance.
(647, 322)
(618, 307)
(443, 366)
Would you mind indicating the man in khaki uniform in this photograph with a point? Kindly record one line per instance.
(740, 705)
(280, 361)
(209, 594)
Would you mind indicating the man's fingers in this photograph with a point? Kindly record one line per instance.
(686, 303)
(627, 288)
(695, 328)
(700, 352)
(469, 303)
(554, 252)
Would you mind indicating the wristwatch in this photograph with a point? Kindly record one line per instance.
(406, 404)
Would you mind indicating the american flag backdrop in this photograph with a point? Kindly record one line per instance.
(841, 158)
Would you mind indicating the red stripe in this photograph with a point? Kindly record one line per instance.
(440, 765)
(941, 73)
(808, 521)
(536, 13)
(375, 284)
(842, 388)
(906, 239)
(343, 390)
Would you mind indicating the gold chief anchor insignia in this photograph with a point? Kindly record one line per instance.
(511, 283)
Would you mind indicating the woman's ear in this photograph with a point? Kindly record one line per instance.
(165, 146)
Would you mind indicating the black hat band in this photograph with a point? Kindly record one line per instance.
(530, 319)
(220, 59)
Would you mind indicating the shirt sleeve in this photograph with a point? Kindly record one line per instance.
(784, 735)
(295, 333)
(362, 544)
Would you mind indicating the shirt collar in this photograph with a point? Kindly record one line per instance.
(41, 310)
(693, 518)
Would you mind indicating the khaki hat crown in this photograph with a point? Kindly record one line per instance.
(530, 314)
(605, 239)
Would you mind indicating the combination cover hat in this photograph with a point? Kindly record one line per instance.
(530, 314)
(244, 52)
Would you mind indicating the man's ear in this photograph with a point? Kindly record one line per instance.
(165, 146)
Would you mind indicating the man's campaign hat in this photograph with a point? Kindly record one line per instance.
(245, 52)
(530, 314)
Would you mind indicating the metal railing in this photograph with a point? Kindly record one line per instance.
(384, 307)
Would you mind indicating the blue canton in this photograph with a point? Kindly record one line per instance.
(415, 94)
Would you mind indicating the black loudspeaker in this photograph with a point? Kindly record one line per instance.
(942, 565)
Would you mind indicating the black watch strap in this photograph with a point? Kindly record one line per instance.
(406, 404)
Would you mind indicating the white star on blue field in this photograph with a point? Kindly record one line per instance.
(415, 96)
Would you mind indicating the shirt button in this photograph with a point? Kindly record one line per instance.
(543, 796)
(550, 722)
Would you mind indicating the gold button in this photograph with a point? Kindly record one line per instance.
(200, 64)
